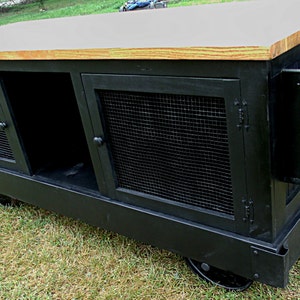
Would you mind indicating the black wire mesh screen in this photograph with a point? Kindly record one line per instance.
(5, 149)
(171, 146)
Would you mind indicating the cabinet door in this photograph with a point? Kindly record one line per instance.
(170, 144)
(12, 154)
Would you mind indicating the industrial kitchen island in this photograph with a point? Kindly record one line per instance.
(176, 127)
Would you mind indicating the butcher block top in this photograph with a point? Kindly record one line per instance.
(245, 30)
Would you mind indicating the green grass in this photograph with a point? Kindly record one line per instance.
(58, 8)
(62, 8)
(47, 256)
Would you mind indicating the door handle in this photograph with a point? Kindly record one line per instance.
(3, 125)
(98, 140)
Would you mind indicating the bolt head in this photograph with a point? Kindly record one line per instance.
(205, 267)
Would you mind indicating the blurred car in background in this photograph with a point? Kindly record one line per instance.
(142, 4)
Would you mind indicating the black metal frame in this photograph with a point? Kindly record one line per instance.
(260, 242)
(228, 88)
(18, 160)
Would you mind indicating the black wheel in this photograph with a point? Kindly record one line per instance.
(219, 277)
(8, 201)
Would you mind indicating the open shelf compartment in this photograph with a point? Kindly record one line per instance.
(48, 122)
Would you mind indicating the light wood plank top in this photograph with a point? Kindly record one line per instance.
(250, 30)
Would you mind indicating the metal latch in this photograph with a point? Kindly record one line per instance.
(243, 117)
(248, 210)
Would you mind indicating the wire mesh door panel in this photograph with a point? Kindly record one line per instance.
(12, 153)
(167, 141)
(171, 146)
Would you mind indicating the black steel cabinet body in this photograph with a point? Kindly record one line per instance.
(185, 148)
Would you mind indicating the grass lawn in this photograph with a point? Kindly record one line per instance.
(47, 256)
(62, 8)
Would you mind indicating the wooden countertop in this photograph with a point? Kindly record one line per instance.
(250, 30)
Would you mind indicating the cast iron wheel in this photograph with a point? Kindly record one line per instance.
(219, 277)
(8, 201)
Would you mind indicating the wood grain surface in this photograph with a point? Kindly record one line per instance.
(247, 30)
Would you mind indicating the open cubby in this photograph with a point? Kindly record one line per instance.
(48, 121)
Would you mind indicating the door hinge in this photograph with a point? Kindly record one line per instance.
(248, 210)
(243, 117)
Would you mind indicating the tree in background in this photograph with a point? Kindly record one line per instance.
(6, 6)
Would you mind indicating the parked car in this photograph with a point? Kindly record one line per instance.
(142, 4)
